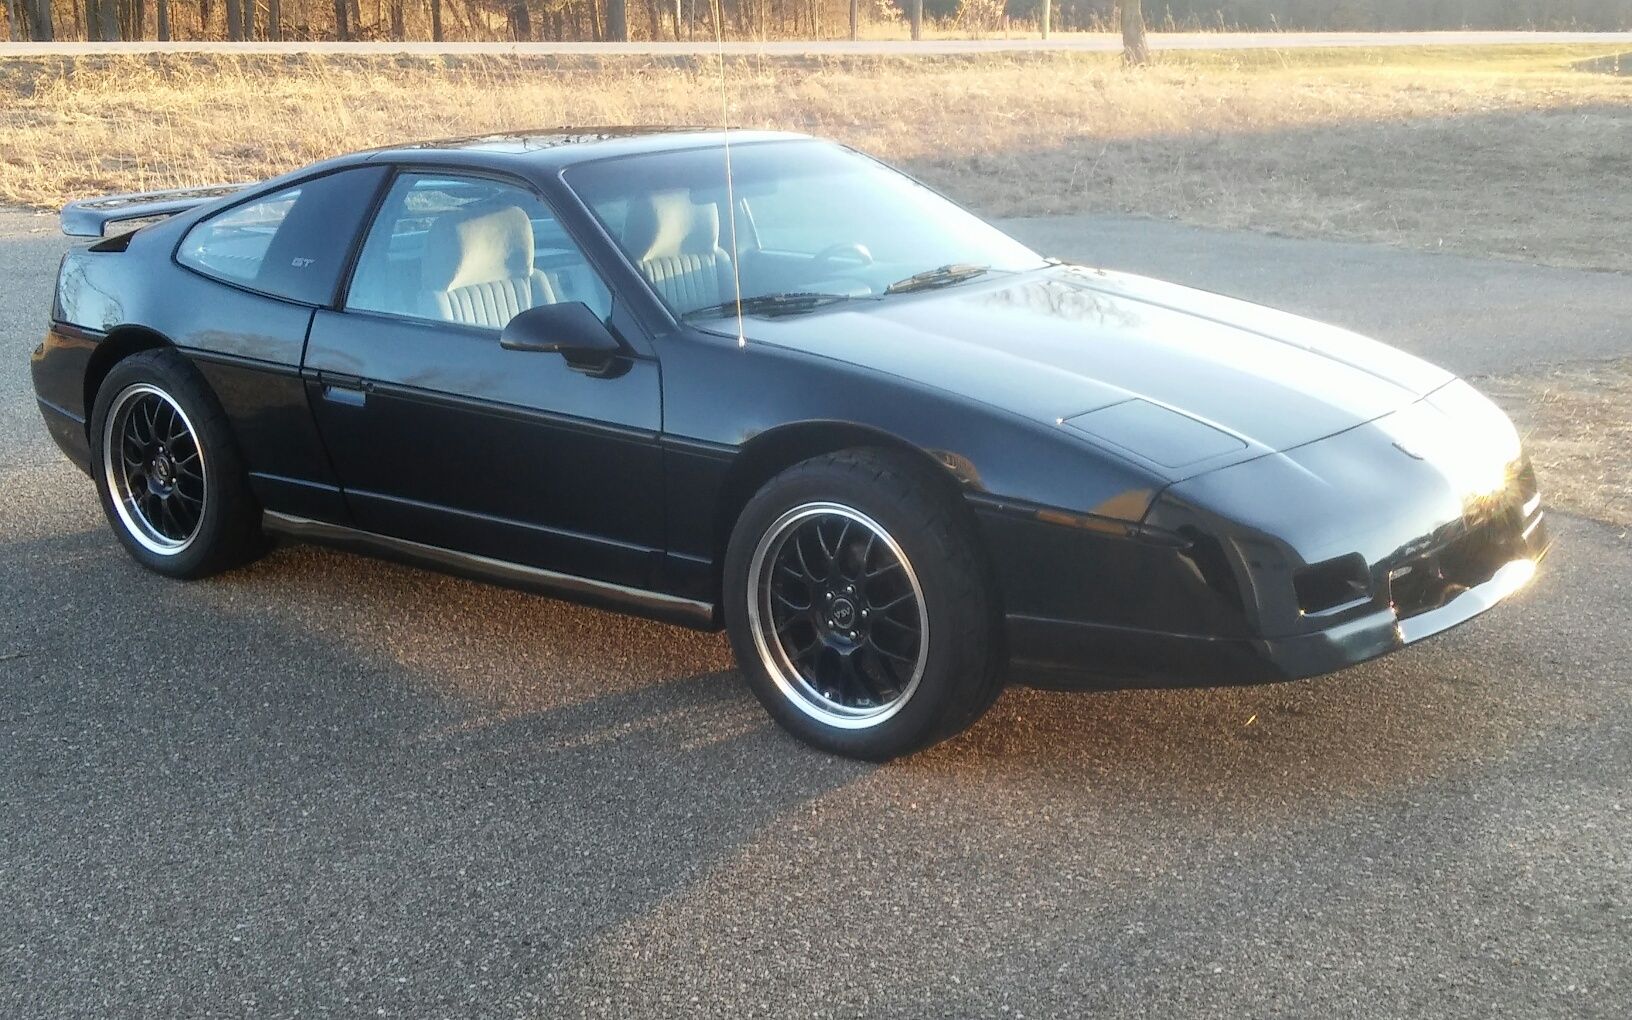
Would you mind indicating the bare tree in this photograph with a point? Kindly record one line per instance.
(397, 31)
(617, 20)
(235, 20)
(274, 20)
(436, 20)
(1135, 50)
(342, 30)
(101, 20)
(1045, 16)
(39, 20)
(163, 10)
(855, 19)
(917, 19)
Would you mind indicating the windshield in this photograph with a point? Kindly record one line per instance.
(816, 223)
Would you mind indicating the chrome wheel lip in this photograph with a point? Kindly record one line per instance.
(774, 657)
(135, 522)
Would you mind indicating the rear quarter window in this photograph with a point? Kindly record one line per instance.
(289, 244)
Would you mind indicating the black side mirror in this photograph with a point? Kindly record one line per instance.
(569, 329)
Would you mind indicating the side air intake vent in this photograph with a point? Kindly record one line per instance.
(1333, 585)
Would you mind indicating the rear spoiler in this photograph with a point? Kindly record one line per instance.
(90, 217)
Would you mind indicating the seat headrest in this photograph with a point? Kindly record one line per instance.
(477, 244)
(666, 223)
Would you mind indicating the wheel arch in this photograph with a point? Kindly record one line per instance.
(120, 343)
(775, 450)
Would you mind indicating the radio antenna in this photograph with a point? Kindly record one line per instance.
(730, 185)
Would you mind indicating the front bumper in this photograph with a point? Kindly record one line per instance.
(1287, 566)
(1073, 653)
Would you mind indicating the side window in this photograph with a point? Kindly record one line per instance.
(469, 251)
(291, 244)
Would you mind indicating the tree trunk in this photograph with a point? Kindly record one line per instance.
(436, 20)
(14, 20)
(617, 20)
(342, 30)
(235, 20)
(654, 24)
(163, 8)
(917, 19)
(1135, 50)
(1046, 16)
(521, 25)
(855, 20)
(104, 14)
(398, 31)
(274, 20)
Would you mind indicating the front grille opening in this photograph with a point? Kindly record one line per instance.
(1431, 580)
(1332, 585)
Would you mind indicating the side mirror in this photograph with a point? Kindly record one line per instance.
(569, 329)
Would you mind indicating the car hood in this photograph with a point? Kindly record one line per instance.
(1179, 379)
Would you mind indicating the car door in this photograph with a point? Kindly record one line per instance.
(439, 435)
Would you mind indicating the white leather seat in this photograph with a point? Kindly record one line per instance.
(676, 244)
(478, 267)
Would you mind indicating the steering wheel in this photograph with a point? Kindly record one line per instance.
(856, 253)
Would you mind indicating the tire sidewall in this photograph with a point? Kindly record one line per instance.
(921, 719)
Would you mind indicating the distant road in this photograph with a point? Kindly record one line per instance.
(1080, 42)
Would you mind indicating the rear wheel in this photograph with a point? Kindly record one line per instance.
(858, 605)
(168, 471)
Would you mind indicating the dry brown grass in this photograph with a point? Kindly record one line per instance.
(1506, 151)
(1578, 425)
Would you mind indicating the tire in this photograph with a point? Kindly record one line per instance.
(906, 630)
(168, 471)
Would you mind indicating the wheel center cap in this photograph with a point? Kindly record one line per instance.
(161, 468)
(843, 612)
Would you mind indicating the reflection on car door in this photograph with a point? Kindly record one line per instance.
(442, 437)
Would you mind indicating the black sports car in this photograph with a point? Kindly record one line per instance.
(898, 455)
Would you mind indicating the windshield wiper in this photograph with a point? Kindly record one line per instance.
(952, 272)
(790, 303)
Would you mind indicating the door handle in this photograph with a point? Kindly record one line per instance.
(344, 389)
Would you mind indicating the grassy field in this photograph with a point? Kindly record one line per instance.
(1507, 150)
(1577, 421)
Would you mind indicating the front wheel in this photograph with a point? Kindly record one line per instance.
(859, 607)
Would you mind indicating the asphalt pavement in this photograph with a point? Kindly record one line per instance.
(327, 785)
(1081, 42)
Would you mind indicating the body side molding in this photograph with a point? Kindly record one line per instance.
(656, 605)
